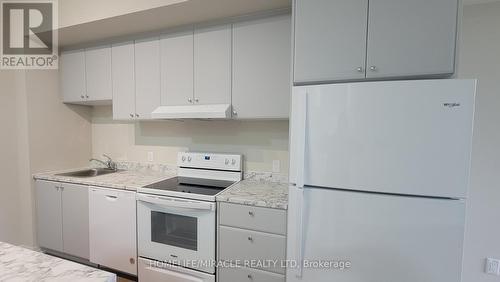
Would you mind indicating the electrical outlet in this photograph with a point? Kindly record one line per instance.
(276, 166)
(151, 157)
(493, 266)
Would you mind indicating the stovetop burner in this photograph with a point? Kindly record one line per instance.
(200, 186)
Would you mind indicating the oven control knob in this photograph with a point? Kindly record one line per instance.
(189, 159)
(226, 162)
(183, 158)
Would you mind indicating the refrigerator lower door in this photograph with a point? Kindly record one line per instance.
(383, 237)
(401, 137)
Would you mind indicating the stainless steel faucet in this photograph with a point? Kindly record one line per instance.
(109, 163)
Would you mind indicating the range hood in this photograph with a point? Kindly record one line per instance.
(216, 111)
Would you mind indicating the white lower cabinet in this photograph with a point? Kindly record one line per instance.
(75, 219)
(63, 218)
(112, 220)
(245, 237)
(244, 274)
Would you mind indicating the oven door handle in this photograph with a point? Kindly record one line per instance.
(176, 203)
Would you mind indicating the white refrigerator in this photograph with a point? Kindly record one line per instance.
(379, 173)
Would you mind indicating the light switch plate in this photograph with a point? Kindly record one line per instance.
(493, 266)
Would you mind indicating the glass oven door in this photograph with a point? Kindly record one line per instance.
(177, 231)
(174, 230)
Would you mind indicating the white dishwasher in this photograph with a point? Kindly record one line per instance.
(112, 223)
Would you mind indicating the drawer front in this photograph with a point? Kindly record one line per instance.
(255, 218)
(244, 274)
(246, 246)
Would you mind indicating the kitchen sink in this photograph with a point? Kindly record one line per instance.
(88, 172)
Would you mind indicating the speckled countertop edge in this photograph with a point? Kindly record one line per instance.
(123, 179)
(257, 192)
(21, 264)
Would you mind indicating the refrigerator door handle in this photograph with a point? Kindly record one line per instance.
(300, 232)
(302, 125)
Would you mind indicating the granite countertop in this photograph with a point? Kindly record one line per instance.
(123, 179)
(21, 264)
(257, 192)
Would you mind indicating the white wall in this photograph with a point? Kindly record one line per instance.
(11, 87)
(260, 142)
(38, 133)
(480, 58)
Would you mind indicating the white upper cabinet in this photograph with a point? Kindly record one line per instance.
(98, 73)
(338, 40)
(330, 40)
(147, 77)
(72, 76)
(212, 65)
(411, 38)
(177, 68)
(261, 68)
(85, 76)
(123, 81)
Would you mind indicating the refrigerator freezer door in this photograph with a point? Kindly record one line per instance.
(402, 137)
(384, 237)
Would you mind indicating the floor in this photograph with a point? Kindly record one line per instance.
(121, 279)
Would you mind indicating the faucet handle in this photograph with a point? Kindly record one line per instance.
(111, 164)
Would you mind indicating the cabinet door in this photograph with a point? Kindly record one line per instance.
(261, 68)
(72, 76)
(411, 38)
(212, 65)
(123, 80)
(147, 77)
(75, 211)
(98, 73)
(177, 68)
(49, 215)
(113, 229)
(330, 40)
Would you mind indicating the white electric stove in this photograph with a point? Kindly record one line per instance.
(176, 218)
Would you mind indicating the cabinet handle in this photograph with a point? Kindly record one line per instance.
(250, 238)
(373, 68)
(57, 188)
(235, 113)
(136, 115)
(250, 276)
(87, 96)
(250, 213)
(83, 97)
(196, 100)
(62, 188)
(131, 115)
(190, 100)
(360, 69)
(111, 198)
(132, 261)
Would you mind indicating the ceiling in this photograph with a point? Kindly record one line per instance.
(162, 18)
